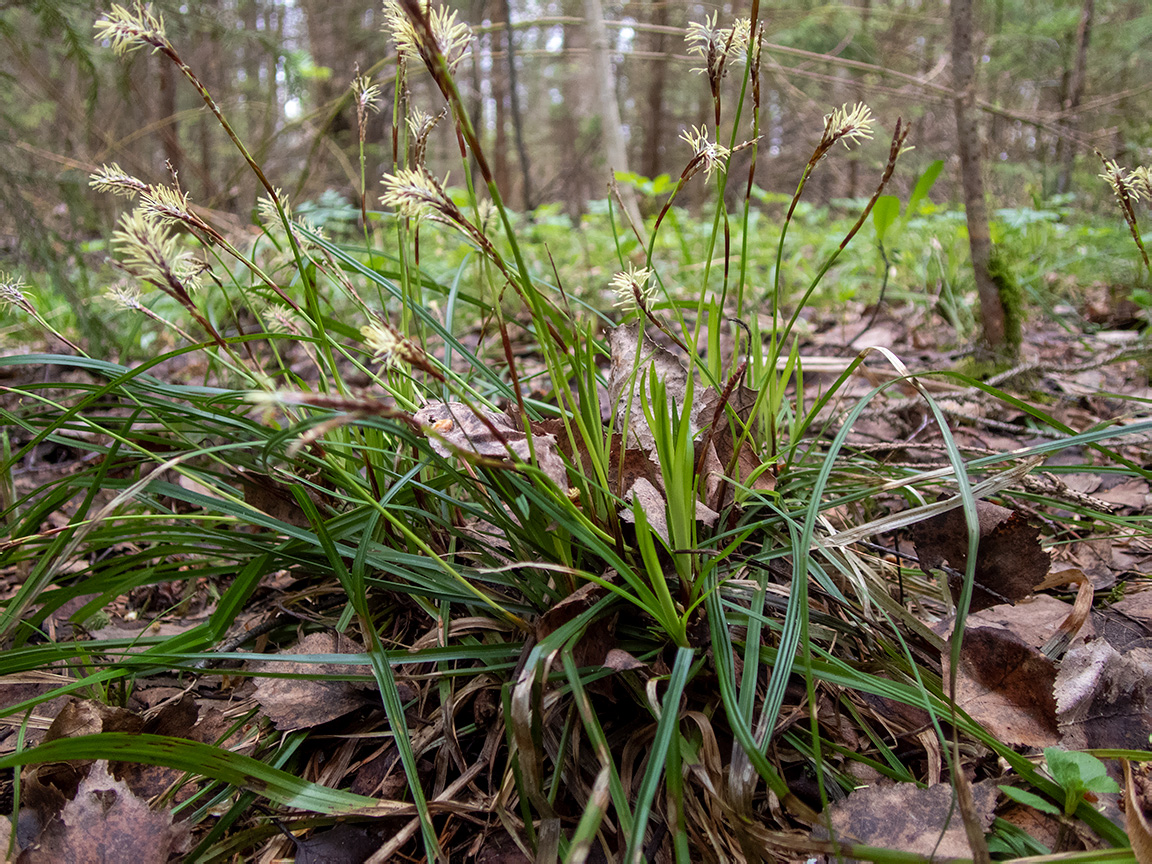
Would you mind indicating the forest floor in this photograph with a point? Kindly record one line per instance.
(1055, 654)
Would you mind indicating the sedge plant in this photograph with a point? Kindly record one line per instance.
(533, 542)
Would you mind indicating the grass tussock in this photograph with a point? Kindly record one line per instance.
(594, 582)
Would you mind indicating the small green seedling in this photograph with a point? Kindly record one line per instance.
(1077, 774)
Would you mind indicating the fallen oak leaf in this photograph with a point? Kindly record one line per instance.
(717, 456)
(1006, 685)
(594, 645)
(908, 818)
(633, 356)
(296, 703)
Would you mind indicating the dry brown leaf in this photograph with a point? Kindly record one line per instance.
(1006, 685)
(1085, 484)
(454, 429)
(1137, 804)
(106, 824)
(499, 848)
(1009, 559)
(344, 843)
(1133, 494)
(596, 641)
(633, 356)
(1094, 557)
(909, 818)
(1104, 698)
(652, 502)
(1136, 604)
(273, 498)
(296, 703)
(721, 441)
(46, 787)
(135, 630)
(1037, 825)
(1034, 620)
(621, 661)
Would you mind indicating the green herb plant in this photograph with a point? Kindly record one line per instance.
(1077, 774)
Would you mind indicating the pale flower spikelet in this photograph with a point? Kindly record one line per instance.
(112, 178)
(453, 37)
(1122, 183)
(12, 291)
(170, 206)
(266, 210)
(150, 252)
(707, 154)
(1128, 187)
(389, 348)
(420, 125)
(717, 45)
(848, 126)
(633, 287)
(1142, 180)
(367, 95)
(125, 297)
(132, 29)
(416, 194)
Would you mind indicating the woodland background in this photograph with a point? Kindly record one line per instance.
(1055, 80)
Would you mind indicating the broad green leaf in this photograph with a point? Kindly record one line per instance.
(884, 214)
(1078, 772)
(922, 187)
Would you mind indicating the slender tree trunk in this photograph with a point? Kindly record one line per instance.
(611, 127)
(1065, 149)
(567, 128)
(992, 311)
(499, 120)
(858, 92)
(650, 164)
(166, 109)
(517, 117)
(476, 103)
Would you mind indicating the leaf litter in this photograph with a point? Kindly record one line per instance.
(1094, 693)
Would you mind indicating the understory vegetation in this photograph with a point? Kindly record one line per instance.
(465, 534)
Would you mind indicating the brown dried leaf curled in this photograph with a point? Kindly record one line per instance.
(1009, 560)
(1137, 805)
(628, 377)
(296, 703)
(454, 429)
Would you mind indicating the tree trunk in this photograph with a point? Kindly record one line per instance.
(1066, 149)
(500, 171)
(166, 115)
(656, 112)
(992, 311)
(610, 125)
(517, 116)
